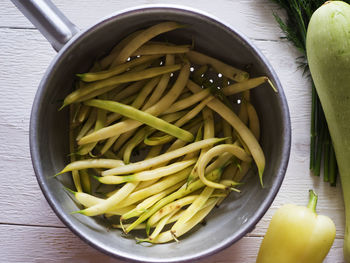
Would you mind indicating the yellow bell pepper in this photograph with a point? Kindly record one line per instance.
(296, 234)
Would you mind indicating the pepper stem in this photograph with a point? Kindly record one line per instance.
(312, 201)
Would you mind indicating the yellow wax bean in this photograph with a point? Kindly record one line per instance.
(155, 110)
(108, 60)
(142, 38)
(112, 201)
(92, 163)
(189, 101)
(241, 129)
(162, 85)
(227, 70)
(156, 49)
(196, 219)
(244, 85)
(108, 84)
(158, 187)
(148, 175)
(94, 76)
(167, 209)
(142, 165)
(253, 120)
(213, 152)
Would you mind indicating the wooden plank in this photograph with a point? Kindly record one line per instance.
(53, 245)
(236, 13)
(24, 58)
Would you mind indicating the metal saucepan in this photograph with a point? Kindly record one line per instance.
(49, 127)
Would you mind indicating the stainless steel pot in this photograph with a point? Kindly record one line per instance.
(49, 127)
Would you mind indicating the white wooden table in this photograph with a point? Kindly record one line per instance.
(31, 232)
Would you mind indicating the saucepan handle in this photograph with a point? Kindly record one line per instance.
(50, 21)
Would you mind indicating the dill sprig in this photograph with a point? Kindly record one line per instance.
(298, 15)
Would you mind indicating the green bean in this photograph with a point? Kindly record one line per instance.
(91, 163)
(188, 102)
(242, 130)
(142, 117)
(94, 76)
(156, 49)
(108, 84)
(244, 85)
(142, 165)
(183, 191)
(213, 152)
(112, 201)
(108, 60)
(226, 70)
(163, 83)
(155, 110)
(147, 175)
(142, 38)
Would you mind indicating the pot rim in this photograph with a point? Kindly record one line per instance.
(246, 228)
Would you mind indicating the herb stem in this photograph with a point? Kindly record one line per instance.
(294, 27)
(333, 168)
(326, 156)
(313, 132)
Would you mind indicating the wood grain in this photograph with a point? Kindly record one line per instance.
(237, 13)
(31, 232)
(55, 245)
